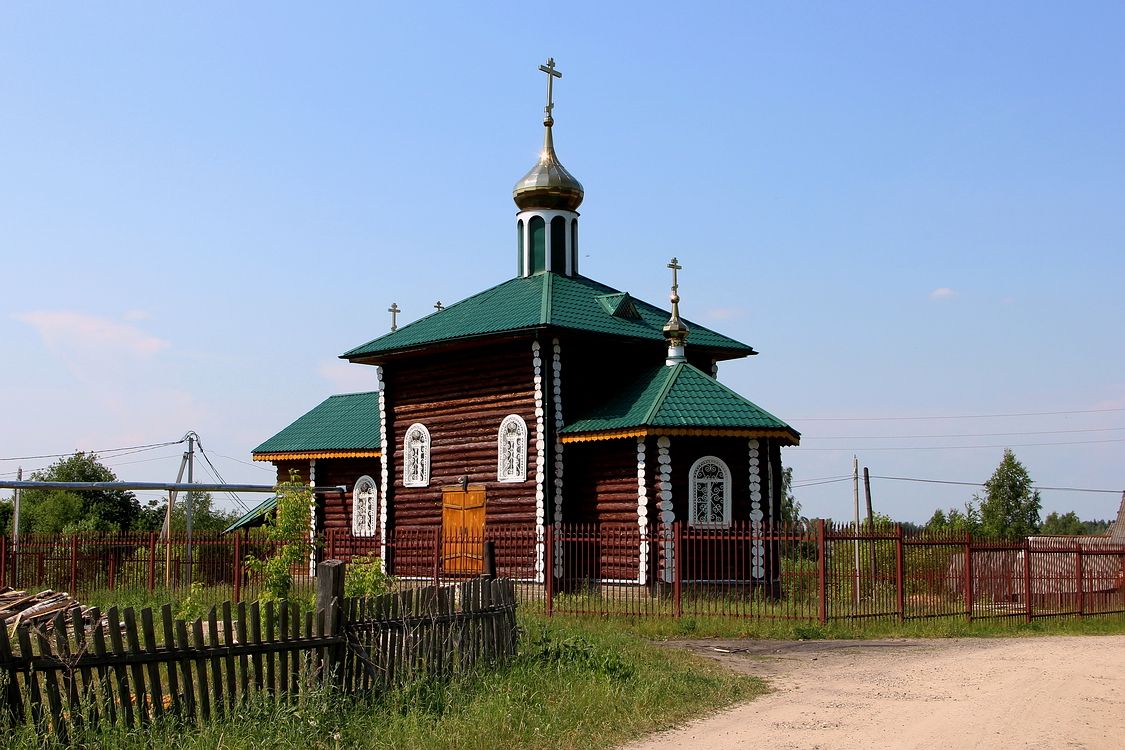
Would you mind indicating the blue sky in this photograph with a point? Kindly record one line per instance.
(909, 211)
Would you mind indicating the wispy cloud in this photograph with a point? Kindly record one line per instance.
(63, 329)
(348, 377)
(943, 292)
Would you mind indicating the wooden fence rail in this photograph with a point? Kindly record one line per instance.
(89, 671)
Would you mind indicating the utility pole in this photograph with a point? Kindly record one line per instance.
(16, 527)
(190, 499)
(855, 492)
(870, 522)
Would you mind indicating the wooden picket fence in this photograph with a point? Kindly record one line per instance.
(96, 670)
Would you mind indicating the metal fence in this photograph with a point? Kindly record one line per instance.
(812, 572)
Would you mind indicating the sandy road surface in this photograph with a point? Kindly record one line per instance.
(1049, 692)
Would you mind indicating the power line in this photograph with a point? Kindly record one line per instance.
(967, 435)
(799, 485)
(130, 448)
(217, 475)
(853, 449)
(259, 465)
(958, 416)
(981, 484)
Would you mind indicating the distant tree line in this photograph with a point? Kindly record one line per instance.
(66, 511)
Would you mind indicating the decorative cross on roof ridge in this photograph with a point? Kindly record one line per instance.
(438, 306)
(394, 310)
(675, 266)
(552, 74)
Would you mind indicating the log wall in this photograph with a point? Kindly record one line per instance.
(461, 398)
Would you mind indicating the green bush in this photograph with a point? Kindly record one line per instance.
(366, 577)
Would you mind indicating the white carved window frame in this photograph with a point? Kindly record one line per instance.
(416, 456)
(511, 443)
(703, 477)
(365, 505)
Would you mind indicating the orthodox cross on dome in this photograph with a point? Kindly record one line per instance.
(394, 310)
(552, 74)
(675, 330)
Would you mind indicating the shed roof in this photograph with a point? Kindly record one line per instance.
(346, 424)
(675, 399)
(545, 300)
(256, 516)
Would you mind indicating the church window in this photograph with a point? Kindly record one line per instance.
(416, 457)
(365, 499)
(709, 493)
(538, 231)
(512, 450)
(558, 244)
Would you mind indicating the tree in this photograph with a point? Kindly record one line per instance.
(288, 528)
(790, 506)
(204, 515)
(1010, 506)
(65, 511)
(1070, 524)
(954, 521)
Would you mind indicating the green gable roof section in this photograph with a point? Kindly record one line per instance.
(544, 300)
(256, 516)
(341, 426)
(677, 400)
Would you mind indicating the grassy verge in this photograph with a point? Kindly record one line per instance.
(945, 627)
(572, 686)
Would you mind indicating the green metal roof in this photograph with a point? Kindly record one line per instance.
(677, 396)
(348, 421)
(255, 516)
(546, 299)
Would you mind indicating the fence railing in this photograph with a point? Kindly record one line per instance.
(115, 670)
(814, 571)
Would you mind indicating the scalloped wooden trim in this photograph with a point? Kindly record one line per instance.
(586, 437)
(300, 455)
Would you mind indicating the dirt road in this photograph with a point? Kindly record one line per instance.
(1049, 692)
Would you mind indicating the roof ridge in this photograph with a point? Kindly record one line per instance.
(664, 390)
(545, 309)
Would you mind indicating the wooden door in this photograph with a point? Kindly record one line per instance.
(462, 521)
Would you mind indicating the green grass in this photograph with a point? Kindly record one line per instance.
(572, 686)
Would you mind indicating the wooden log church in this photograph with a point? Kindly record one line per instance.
(584, 405)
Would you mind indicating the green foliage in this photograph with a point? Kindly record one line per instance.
(790, 506)
(1010, 507)
(1070, 524)
(579, 652)
(955, 522)
(62, 511)
(288, 528)
(366, 577)
(6, 512)
(204, 515)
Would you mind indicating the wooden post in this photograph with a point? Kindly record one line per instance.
(874, 574)
(74, 565)
(112, 574)
(969, 576)
(488, 565)
(237, 566)
(151, 561)
(1027, 575)
(821, 573)
(1079, 582)
(677, 568)
(900, 574)
(549, 572)
(330, 599)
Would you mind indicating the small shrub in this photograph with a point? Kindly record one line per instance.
(366, 577)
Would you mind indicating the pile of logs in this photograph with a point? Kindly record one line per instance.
(17, 607)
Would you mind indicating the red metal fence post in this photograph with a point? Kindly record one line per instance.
(1027, 575)
(73, 564)
(549, 572)
(237, 566)
(1079, 583)
(3, 559)
(821, 573)
(900, 575)
(332, 544)
(969, 576)
(151, 561)
(677, 569)
(437, 552)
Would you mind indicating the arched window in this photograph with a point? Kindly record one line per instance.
(709, 491)
(511, 450)
(365, 501)
(416, 457)
(537, 230)
(558, 244)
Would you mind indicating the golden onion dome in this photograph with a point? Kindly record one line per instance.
(548, 185)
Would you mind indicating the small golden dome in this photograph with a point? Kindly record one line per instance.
(548, 185)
